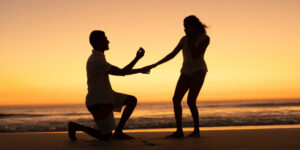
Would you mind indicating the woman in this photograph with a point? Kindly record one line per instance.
(193, 71)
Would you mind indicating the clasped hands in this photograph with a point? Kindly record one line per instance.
(146, 70)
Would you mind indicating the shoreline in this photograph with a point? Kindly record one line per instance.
(189, 129)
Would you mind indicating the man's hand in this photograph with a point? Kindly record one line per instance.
(140, 53)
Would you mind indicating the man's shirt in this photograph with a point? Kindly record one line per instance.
(99, 88)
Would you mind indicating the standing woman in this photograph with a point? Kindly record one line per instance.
(193, 71)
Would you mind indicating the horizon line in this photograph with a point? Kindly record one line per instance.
(156, 101)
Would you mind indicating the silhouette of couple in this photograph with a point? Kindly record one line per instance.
(101, 100)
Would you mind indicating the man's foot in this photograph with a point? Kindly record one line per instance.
(122, 136)
(177, 134)
(72, 130)
(194, 134)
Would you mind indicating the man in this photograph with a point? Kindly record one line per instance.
(101, 100)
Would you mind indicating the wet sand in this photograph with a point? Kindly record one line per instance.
(255, 138)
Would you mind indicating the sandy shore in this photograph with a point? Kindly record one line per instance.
(275, 138)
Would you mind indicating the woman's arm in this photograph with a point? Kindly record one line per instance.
(169, 56)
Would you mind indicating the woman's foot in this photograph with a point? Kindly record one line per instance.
(122, 136)
(177, 134)
(72, 130)
(195, 134)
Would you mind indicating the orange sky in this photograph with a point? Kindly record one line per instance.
(254, 51)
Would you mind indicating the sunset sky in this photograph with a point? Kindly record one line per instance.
(254, 51)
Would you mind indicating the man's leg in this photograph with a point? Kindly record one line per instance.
(73, 127)
(130, 103)
(102, 112)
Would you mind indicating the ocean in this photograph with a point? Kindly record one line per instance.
(54, 118)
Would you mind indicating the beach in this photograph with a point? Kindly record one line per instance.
(228, 138)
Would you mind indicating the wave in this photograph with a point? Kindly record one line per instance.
(263, 104)
(3, 115)
(270, 104)
(55, 119)
(150, 123)
(21, 115)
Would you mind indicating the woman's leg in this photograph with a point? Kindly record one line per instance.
(181, 88)
(196, 83)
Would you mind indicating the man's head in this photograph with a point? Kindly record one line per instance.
(98, 40)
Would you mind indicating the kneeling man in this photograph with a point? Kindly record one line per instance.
(101, 100)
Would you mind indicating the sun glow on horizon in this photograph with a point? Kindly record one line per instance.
(44, 48)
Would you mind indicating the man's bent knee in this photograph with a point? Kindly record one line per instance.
(132, 101)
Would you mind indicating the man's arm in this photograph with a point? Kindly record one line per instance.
(117, 71)
(147, 69)
(124, 71)
(140, 53)
(144, 70)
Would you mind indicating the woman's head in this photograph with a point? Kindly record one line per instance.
(193, 25)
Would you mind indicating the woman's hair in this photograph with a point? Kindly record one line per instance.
(194, 21)
(95, 37)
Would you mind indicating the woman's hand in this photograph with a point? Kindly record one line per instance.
(146, 69)
(140, 53)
